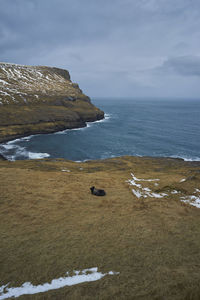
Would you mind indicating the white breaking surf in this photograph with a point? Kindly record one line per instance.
(19, 151)
(27, 288)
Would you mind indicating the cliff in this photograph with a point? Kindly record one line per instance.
(40, 99)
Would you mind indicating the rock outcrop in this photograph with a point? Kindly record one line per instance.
(39, 99)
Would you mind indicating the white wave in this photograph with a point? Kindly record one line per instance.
(37, 155)
(26, 138)
(8, 146)
(13, 142)
(27, 288)
(88, 125)
(192, 159)
(82, 161)
(20, 151)
(106, 117)
(66, 130)
(186, 158)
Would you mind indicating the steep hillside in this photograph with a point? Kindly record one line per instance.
(39, 99)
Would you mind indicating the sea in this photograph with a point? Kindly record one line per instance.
(139, 127)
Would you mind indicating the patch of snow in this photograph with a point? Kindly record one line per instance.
(132, 182)
(65, 170)
(3, 81)
(137, 193)
(19, 74)
(27, 288)
(192, 200)
(182, 180)
(144, 191)
(6, 72)
(39, 73)
(137, 179)
(5, 93)
(147, 189)
(11, 72)
(174, 192)
(157, 195)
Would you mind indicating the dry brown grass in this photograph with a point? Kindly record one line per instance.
(50, 224)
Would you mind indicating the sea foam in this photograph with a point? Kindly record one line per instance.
(14, 151)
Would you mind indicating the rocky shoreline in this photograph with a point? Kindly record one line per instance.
(53, 129)
(50, 128)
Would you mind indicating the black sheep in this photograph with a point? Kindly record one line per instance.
(97, 192)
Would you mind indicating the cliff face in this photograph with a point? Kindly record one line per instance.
(39, 99)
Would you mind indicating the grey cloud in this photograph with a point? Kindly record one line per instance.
(183, 65)
(106, 44)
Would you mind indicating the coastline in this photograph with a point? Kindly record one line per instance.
(52, 127)
(57, 129)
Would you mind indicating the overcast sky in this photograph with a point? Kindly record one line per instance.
(115, 48)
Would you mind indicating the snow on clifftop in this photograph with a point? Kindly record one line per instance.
(30, 84)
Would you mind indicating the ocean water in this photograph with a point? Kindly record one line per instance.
(139, 127)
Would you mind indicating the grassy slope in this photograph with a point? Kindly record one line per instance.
(50, 224)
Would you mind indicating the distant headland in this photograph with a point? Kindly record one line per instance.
(40, 99)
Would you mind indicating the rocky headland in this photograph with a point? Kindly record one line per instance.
(40, 99)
